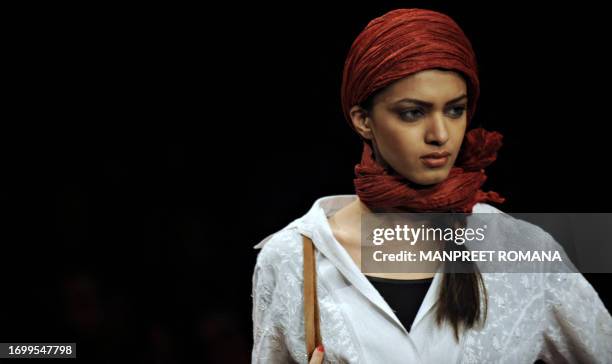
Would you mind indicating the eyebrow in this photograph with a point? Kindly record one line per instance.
(429, 104)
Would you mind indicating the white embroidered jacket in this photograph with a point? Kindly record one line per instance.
(556, 317)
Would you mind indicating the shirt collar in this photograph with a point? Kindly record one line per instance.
(328, 245)
(314, 224)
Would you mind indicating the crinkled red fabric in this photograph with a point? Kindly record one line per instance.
(379, 188)
(392, 47)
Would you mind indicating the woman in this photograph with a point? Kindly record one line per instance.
(410, 88)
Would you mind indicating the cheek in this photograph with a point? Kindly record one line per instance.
(400, 145)
(458, 132)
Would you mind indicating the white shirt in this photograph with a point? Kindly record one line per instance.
(556, 317)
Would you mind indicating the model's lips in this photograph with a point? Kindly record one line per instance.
(436, 159)
(436, 155)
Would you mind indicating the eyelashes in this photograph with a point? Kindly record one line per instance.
(454, 112)
(411, 115)
(459, 110)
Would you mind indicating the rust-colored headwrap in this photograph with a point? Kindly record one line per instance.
(394, 46)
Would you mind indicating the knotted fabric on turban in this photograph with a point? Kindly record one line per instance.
(394, 46)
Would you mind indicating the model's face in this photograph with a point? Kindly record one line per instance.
(417, 115)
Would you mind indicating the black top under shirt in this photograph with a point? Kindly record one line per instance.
(404, 296)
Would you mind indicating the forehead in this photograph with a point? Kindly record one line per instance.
(429, 85)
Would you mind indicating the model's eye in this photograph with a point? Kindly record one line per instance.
(412, 114)
(456, 112)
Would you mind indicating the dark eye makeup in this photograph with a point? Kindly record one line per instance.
(413, 114)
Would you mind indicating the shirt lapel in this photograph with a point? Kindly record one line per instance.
(316, 226)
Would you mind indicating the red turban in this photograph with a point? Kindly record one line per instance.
(392, 47)
(403, 42)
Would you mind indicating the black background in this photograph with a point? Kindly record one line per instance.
(145, 150)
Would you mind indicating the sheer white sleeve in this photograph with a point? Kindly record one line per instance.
(268, 339)
(578, 327)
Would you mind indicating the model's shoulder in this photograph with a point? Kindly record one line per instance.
(280, 247)
(483, 207)
(504, 227)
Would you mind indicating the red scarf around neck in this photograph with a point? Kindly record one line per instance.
(384, 189)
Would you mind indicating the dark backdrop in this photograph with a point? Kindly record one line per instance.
(146, 150)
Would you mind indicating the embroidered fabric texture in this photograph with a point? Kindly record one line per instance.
(278, 318)
(556, 317)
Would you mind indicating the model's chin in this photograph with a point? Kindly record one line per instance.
(430, 177)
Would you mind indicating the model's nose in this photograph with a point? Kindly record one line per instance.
(437, 132)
